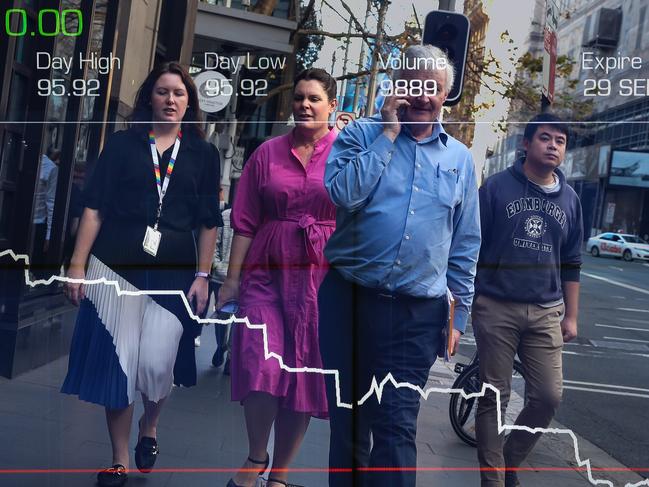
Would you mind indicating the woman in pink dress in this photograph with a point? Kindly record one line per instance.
(282, 217)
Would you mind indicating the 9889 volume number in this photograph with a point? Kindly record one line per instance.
(409, 87)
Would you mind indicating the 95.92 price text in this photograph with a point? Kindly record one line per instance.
(59, 87)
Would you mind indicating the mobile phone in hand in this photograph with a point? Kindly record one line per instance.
(401, 112)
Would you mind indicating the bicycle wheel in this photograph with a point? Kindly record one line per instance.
(462, 411)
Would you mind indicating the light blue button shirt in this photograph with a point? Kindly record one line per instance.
(408, 218)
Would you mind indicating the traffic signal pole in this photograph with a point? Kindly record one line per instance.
(378, 46)
(447, 5)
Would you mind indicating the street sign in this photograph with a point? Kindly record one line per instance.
(214, 91)
(550, 49)
(344, 118)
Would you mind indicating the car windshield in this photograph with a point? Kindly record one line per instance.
(633, 239)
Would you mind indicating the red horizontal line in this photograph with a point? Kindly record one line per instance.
(334, 470)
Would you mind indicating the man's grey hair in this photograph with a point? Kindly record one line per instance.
(428, 58)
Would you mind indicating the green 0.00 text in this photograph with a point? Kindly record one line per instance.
(58, 22)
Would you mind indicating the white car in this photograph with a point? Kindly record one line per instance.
(628, 247)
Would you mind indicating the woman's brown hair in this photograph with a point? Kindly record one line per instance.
(327, 81)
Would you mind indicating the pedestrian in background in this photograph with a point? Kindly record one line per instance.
(527, 292)
(138, 229)
(407, 227)
(219, 274)
(282, 217)
(43, 216)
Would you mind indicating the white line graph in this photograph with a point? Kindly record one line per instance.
(376, 387)
(362, 120)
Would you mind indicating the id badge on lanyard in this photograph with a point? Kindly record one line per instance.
(153, 236)
(151, 242)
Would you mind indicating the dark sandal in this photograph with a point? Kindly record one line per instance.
(114, 476)
(278, 481)
(265, 463)
(146, 453)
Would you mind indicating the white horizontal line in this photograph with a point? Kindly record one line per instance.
(601, 391)
(621, 327)
(626, 339)
(607, 386)
(635, 310)
(376, 387)
(330, 122)
(631, 320)
(620, 284)
(587, 354)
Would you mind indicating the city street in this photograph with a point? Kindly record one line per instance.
(343, 134)
(606, 377)
(54, 439)
(606, 370)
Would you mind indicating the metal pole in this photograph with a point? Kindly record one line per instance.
(231, 119)
(378, 45)
(447, 5)
(361, 62)
(344, 86)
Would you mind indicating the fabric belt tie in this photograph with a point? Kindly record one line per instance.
(314, 235)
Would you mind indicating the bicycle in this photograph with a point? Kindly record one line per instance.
(462, 411)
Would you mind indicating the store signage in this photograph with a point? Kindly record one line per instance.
(629, 168)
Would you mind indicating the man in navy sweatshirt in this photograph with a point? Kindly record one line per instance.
(527, 292)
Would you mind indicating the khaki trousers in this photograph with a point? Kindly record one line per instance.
(503, 329)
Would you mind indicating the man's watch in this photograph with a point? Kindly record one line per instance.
(206, 275)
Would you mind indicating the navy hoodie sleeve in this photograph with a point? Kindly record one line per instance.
(486, 211)
(571, 250)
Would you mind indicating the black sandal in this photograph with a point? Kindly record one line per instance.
(146, 453)
(284, 483)
(265, 463)
(114, 476)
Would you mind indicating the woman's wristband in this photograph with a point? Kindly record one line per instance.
(206, 275)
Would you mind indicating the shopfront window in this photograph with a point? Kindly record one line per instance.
(55, 128)
(45, 203)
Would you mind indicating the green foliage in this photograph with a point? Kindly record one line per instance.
(523, 90)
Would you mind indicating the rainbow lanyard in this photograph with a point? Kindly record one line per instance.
(162, 184)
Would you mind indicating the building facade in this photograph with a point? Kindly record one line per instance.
(55, 116)
(614, 188)
(606, 161)
(61, 94)
(460, 120)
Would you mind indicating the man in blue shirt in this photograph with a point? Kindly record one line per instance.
(407, 228)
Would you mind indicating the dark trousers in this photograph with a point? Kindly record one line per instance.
(220, 331)
(366, 334)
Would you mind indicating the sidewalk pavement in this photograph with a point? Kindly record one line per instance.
(201, 428)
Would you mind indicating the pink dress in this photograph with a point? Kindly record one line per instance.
(285, 209)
